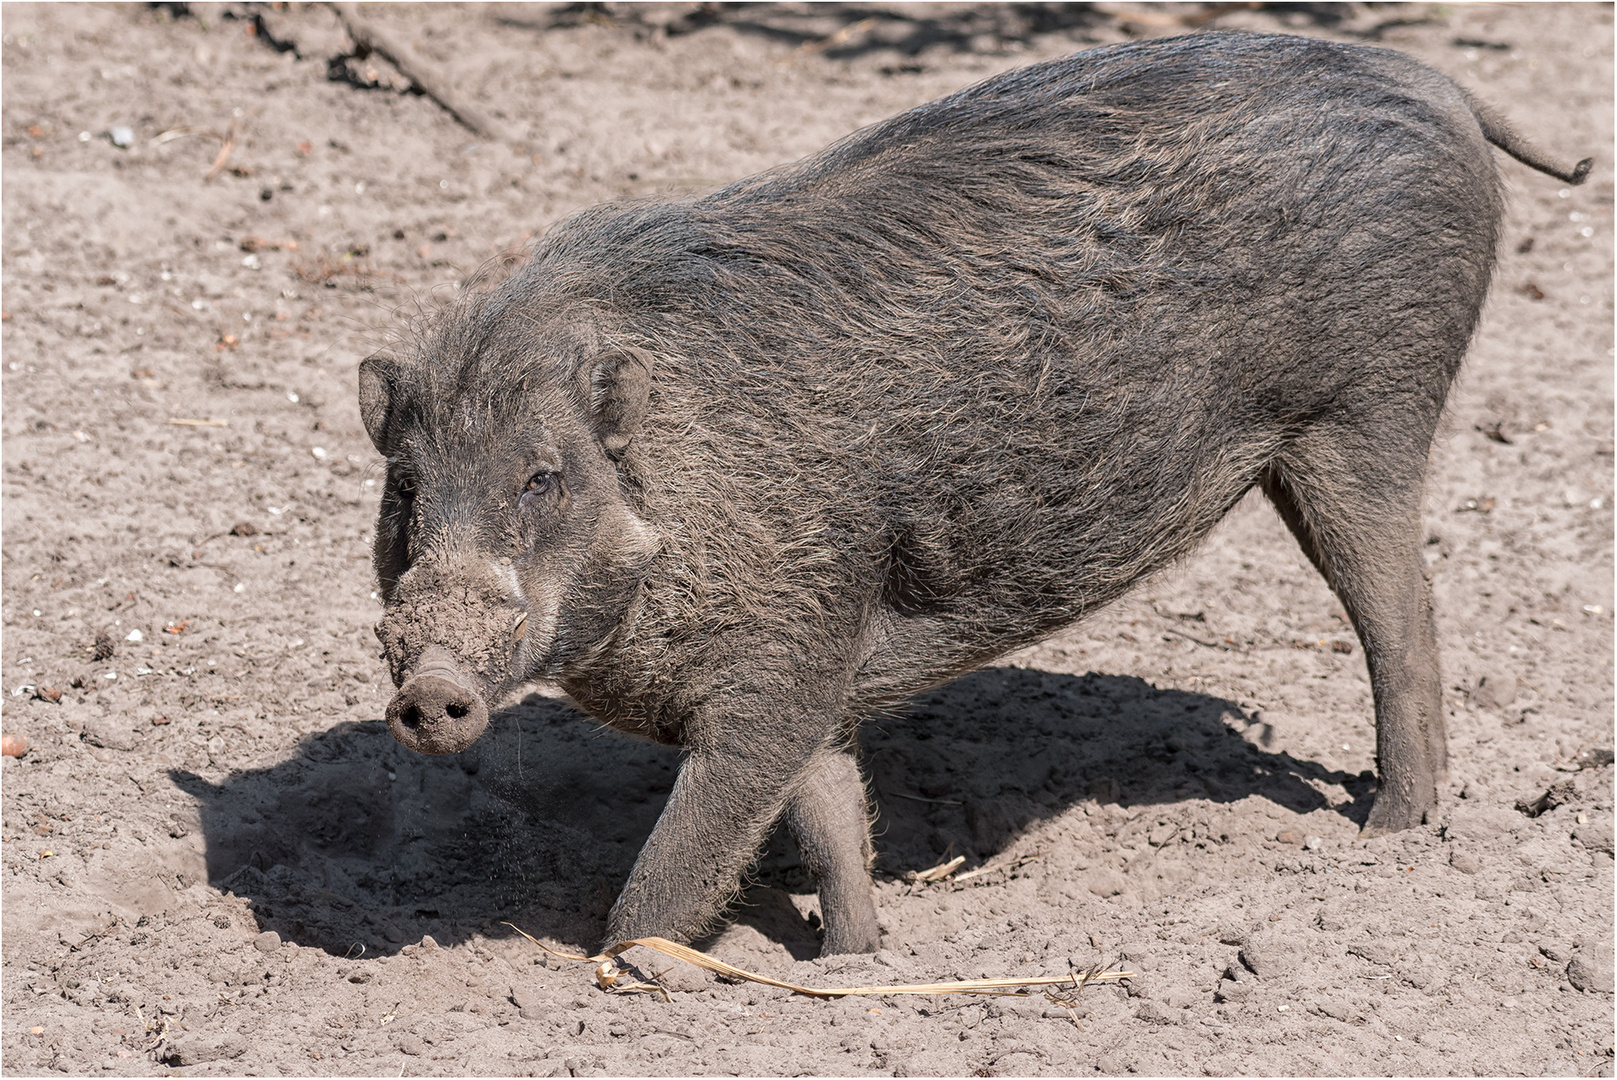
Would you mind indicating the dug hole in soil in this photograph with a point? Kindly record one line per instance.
(217, 860)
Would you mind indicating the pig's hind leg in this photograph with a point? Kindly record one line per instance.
(829, 816)
(1353, 502)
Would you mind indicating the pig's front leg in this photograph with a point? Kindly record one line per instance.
(738, 777)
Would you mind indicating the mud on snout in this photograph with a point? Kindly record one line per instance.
(450, 647)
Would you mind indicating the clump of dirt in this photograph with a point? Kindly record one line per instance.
(213, 213)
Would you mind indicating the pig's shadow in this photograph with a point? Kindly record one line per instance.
(358, 846)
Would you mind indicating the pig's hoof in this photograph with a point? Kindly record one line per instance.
(1390, 815)
(858, 941)
(434, 715)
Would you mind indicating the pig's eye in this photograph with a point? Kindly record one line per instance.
(540, 486)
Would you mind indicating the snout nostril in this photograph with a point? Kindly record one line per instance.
(437, 715)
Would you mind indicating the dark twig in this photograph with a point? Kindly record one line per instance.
(426, 78)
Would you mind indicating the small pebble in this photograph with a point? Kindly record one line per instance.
(1494, 691)
(1078, 1012)
(1595, 836)
(1138, 955)
(1313, 843)
(1154, 1013)
(198, 1049)
(1337, 1010)
(1264, 957)
(267, 942)
(1253, 958)
(1106, 882)
(13, 745)
(108, 733)
(1555, 951)
(1591, 969)
(1376, 952)
(122, 137)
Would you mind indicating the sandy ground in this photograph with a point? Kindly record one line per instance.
(216, 860)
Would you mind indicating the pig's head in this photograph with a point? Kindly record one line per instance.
(506, 548)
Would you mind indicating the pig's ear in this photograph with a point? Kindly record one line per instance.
(619, 387)
(376, 396)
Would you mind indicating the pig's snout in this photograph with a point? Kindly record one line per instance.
(438, 709)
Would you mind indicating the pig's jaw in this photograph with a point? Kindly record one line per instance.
(533, 634)
(536, 636)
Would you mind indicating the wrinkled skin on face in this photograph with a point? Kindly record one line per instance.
(505, 549)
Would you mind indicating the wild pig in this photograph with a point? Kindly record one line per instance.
(737, 471)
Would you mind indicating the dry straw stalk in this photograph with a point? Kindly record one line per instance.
(609, 976)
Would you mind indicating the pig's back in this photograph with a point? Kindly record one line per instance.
(1016, 348)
